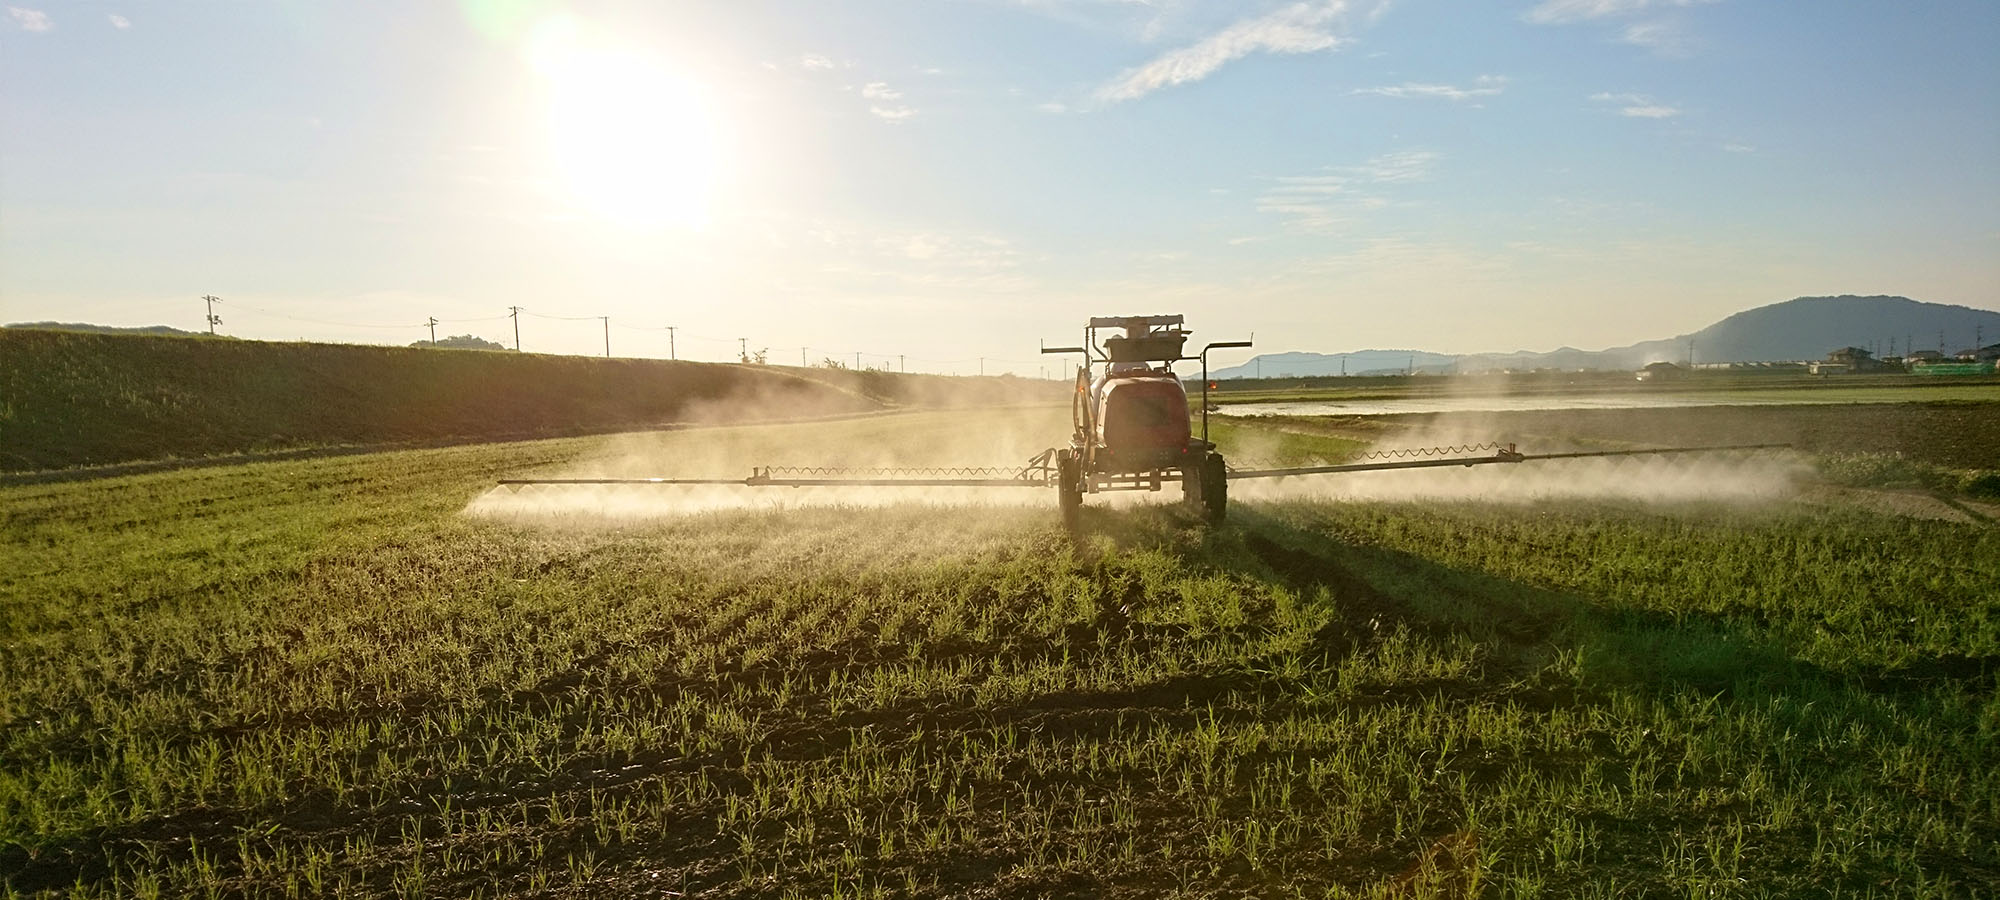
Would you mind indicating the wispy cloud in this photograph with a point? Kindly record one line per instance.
(816, 62)
(1661, 32)
(30, 19)
(1564, 12)
(892, 113)
(862, 254)
(1298, 28)
(880, 90)
(1734, 147)
(1325, 200)
(119, 22)
(1483, 86)
(1637, 106)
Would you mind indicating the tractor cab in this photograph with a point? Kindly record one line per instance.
(1132, 428)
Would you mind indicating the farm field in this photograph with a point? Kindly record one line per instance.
(1377, 395)
(371, 675)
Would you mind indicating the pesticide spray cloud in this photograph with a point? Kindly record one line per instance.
(1003, 438)
(1008, 437)
(1739, 477)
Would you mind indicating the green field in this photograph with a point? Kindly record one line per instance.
(322, 678)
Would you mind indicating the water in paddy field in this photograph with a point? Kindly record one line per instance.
(1519, 403)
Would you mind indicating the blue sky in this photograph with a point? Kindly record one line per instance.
(948, 180)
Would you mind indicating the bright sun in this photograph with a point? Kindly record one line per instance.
(630, 141)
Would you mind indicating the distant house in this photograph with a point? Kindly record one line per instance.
(1660, 371)
(1922, 356)
(1844, 361)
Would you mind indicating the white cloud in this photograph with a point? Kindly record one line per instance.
(1053, 107)
(1660, 35)
(30, 19)
(119, 22)
(1734, 147)
(1564, 12)
(1298, 28)
(892, 113)
(1483, 86)
(815, 62)
(1637, 106)
(1323, 201)
(880, 90)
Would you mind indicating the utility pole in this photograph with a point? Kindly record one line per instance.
(743, 349)
(899, 364)
(213, 319)
(802, 357)
(857, 360)
(432, 321)
(607, 336)
(982, 366)
(514, 312)
(670, 343)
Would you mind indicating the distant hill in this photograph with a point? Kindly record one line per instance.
(106, 329)
(1800, 329)
(461, 342)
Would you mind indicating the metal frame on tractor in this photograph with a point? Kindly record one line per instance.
(1085, 466)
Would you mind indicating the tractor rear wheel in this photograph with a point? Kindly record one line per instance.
(1069, 485)
(1214, 487)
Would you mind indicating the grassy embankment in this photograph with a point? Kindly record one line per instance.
(73, 399)
(317, 678)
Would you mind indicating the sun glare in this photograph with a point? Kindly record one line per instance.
(630, 140)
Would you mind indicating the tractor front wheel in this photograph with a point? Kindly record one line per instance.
(1069, 485)
(1214, 487)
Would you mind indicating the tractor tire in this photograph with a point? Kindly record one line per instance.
(1069, 486)
(1214, 487)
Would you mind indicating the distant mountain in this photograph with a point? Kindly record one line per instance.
(102, 329)
(1800, 329)
(1358, 362)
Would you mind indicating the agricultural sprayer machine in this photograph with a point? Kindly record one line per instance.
(1132, 430)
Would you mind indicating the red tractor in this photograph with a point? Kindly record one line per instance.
(1132, 422)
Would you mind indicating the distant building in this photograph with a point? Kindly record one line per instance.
(1919, 357)
(1755, 368)
(1661, 371)
(1845, 361)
